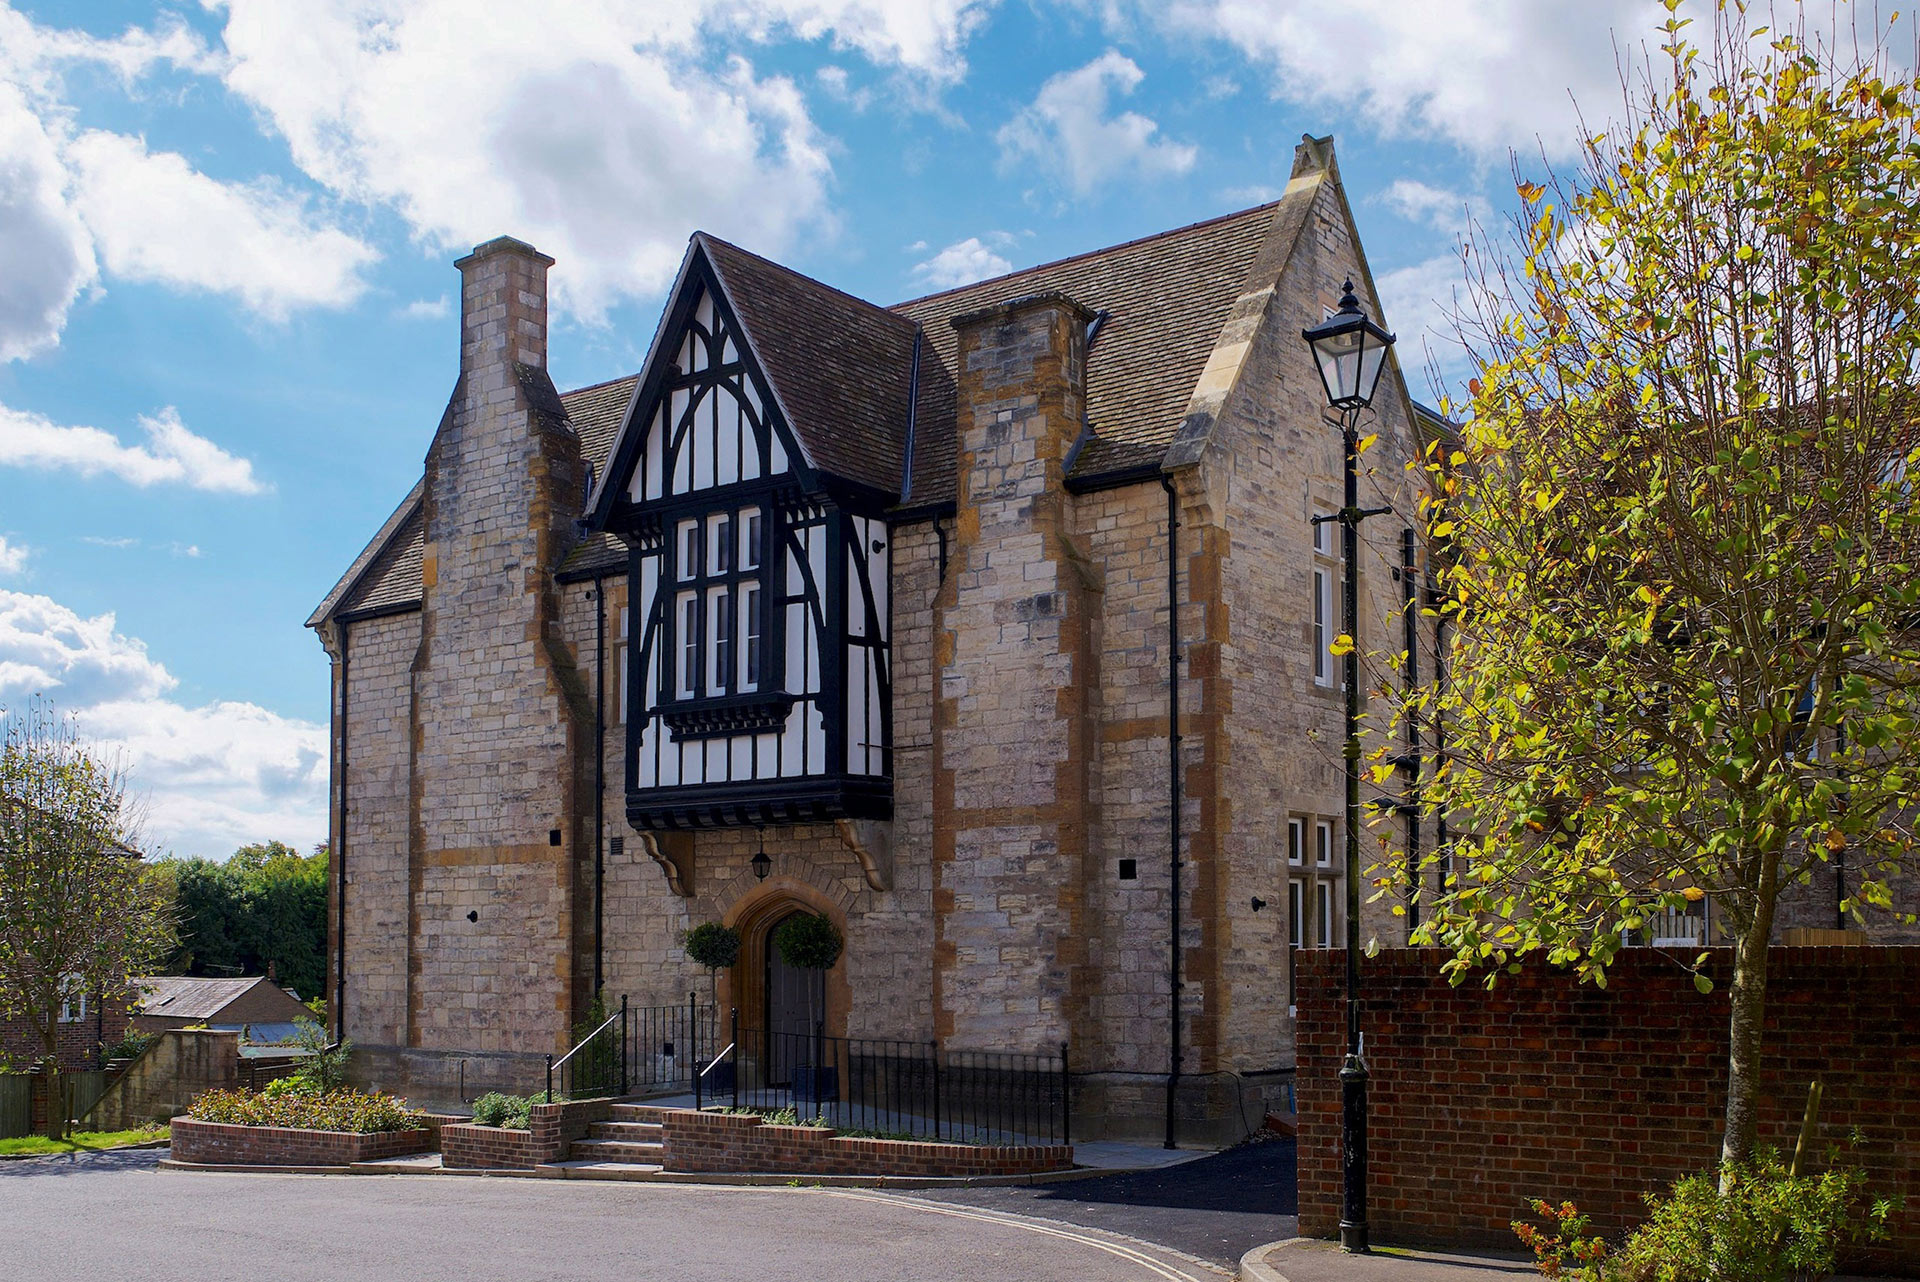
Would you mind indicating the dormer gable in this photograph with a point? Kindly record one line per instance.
(758, 372)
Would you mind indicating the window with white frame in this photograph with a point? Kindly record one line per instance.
(1323, 843)
(1324, 610)
(73, 999)
(720, 604)
(1296, 842)
(1324, 912)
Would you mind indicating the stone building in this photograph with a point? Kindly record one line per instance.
(884, 592)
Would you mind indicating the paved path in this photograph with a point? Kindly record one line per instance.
(115, 1215)
(1216, 1208)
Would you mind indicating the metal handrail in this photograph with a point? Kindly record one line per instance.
(715, 1061)
(580, 1045)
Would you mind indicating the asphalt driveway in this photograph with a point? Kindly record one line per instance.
(1216, 1208)
(116, 1215)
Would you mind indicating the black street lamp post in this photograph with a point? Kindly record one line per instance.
(1351, 352)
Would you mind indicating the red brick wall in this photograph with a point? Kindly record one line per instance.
(721, 1142)
(77, 1042)
(1544, 1087)
(218, 1144)
(551, 1131)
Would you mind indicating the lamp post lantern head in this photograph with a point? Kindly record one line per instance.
(1351, 350)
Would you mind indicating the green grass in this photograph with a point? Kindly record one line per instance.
(80, 1141)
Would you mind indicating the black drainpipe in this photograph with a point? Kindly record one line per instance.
(599, 775)
(340, 854)
(1173, 794)
(1410, 615)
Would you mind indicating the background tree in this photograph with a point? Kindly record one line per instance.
(78, 915)
(262, 910)
(1684, 581)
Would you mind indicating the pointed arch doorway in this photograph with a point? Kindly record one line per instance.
(779, 1005)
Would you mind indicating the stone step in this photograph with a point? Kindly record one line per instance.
(616, 1151)
(632, 1132)
(595, 1170)
(639, 1113)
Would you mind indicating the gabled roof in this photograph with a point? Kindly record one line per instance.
(181, 996)
(841, 370)
(386, 575)
(840, 366)
(1166, 297)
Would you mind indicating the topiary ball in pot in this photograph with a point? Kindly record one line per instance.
(712, 945)
(808, 941)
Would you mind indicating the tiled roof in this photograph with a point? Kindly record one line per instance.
(840, 366)
(178, 995)
(392, 579)
(1166, 296)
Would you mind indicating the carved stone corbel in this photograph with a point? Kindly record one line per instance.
(673, 851)
(871, 841)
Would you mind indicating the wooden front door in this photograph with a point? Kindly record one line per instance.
(795, 1000)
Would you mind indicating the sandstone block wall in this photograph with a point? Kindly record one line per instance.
(377, 847)
(1012, 720)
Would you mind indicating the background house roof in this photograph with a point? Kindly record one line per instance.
(191, 997)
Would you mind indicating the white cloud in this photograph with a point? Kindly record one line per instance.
(214, 777)
(45, 648)
(428, 308)
(172, 454)
(46, 256)
(1418, 303)
(964, 262)
(13, 556)
(1450, 211)
(101, 542)
(156, 219)
(602, 131)
(1488, 75)
(1067, 129)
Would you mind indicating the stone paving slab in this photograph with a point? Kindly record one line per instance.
(1315, 1260)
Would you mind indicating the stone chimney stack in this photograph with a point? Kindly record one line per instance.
(494, 809)
(1014, 644)
(503, 306)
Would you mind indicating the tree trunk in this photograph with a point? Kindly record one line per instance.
(56, 1095)
(1749, 996)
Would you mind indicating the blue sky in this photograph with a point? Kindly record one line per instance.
(226, 237)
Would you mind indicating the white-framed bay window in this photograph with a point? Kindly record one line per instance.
(720, 604)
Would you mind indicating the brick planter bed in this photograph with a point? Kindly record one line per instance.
(219, 1144)
(734, 1143)
(551, 1131)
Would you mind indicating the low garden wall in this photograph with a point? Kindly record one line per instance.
(219, 1144)
(732, 1143)
(1546, 1087)
(550, 1133)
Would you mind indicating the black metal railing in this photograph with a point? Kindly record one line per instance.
(597, 1064)
(893, 1089)
(668, 1045)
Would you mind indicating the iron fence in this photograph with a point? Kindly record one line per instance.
(893, 1089)
(666, 1044)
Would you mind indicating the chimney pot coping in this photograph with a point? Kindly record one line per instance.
(1006, 311)
(503, 245)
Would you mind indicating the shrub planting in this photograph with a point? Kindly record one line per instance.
(344, 1110)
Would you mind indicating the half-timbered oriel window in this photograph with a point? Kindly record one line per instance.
(760, 618)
